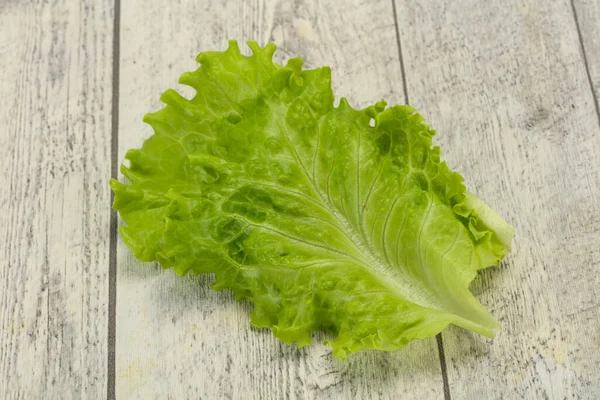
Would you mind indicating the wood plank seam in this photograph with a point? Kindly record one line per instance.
(114, 155)
(440, 343)
(443, 366)
(400, 56)
(585, 60)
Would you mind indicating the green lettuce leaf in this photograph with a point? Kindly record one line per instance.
(322, 216)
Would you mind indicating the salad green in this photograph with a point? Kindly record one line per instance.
(322, 216)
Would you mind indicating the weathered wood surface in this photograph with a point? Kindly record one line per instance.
(505, 84)
(55, 69)
(176, 337)
(510, 88)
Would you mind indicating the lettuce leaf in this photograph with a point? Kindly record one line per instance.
(322, 216)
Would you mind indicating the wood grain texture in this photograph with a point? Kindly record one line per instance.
(55, 68)
(176, 338)
(505, 85)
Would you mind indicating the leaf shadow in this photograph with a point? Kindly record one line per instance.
(191, 300)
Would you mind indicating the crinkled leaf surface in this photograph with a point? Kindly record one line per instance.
(322, 216)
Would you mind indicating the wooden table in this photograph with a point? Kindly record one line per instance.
(512, 88)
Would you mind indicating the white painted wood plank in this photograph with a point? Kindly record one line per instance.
(176, 338)
(506, 87)
(55, 68)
